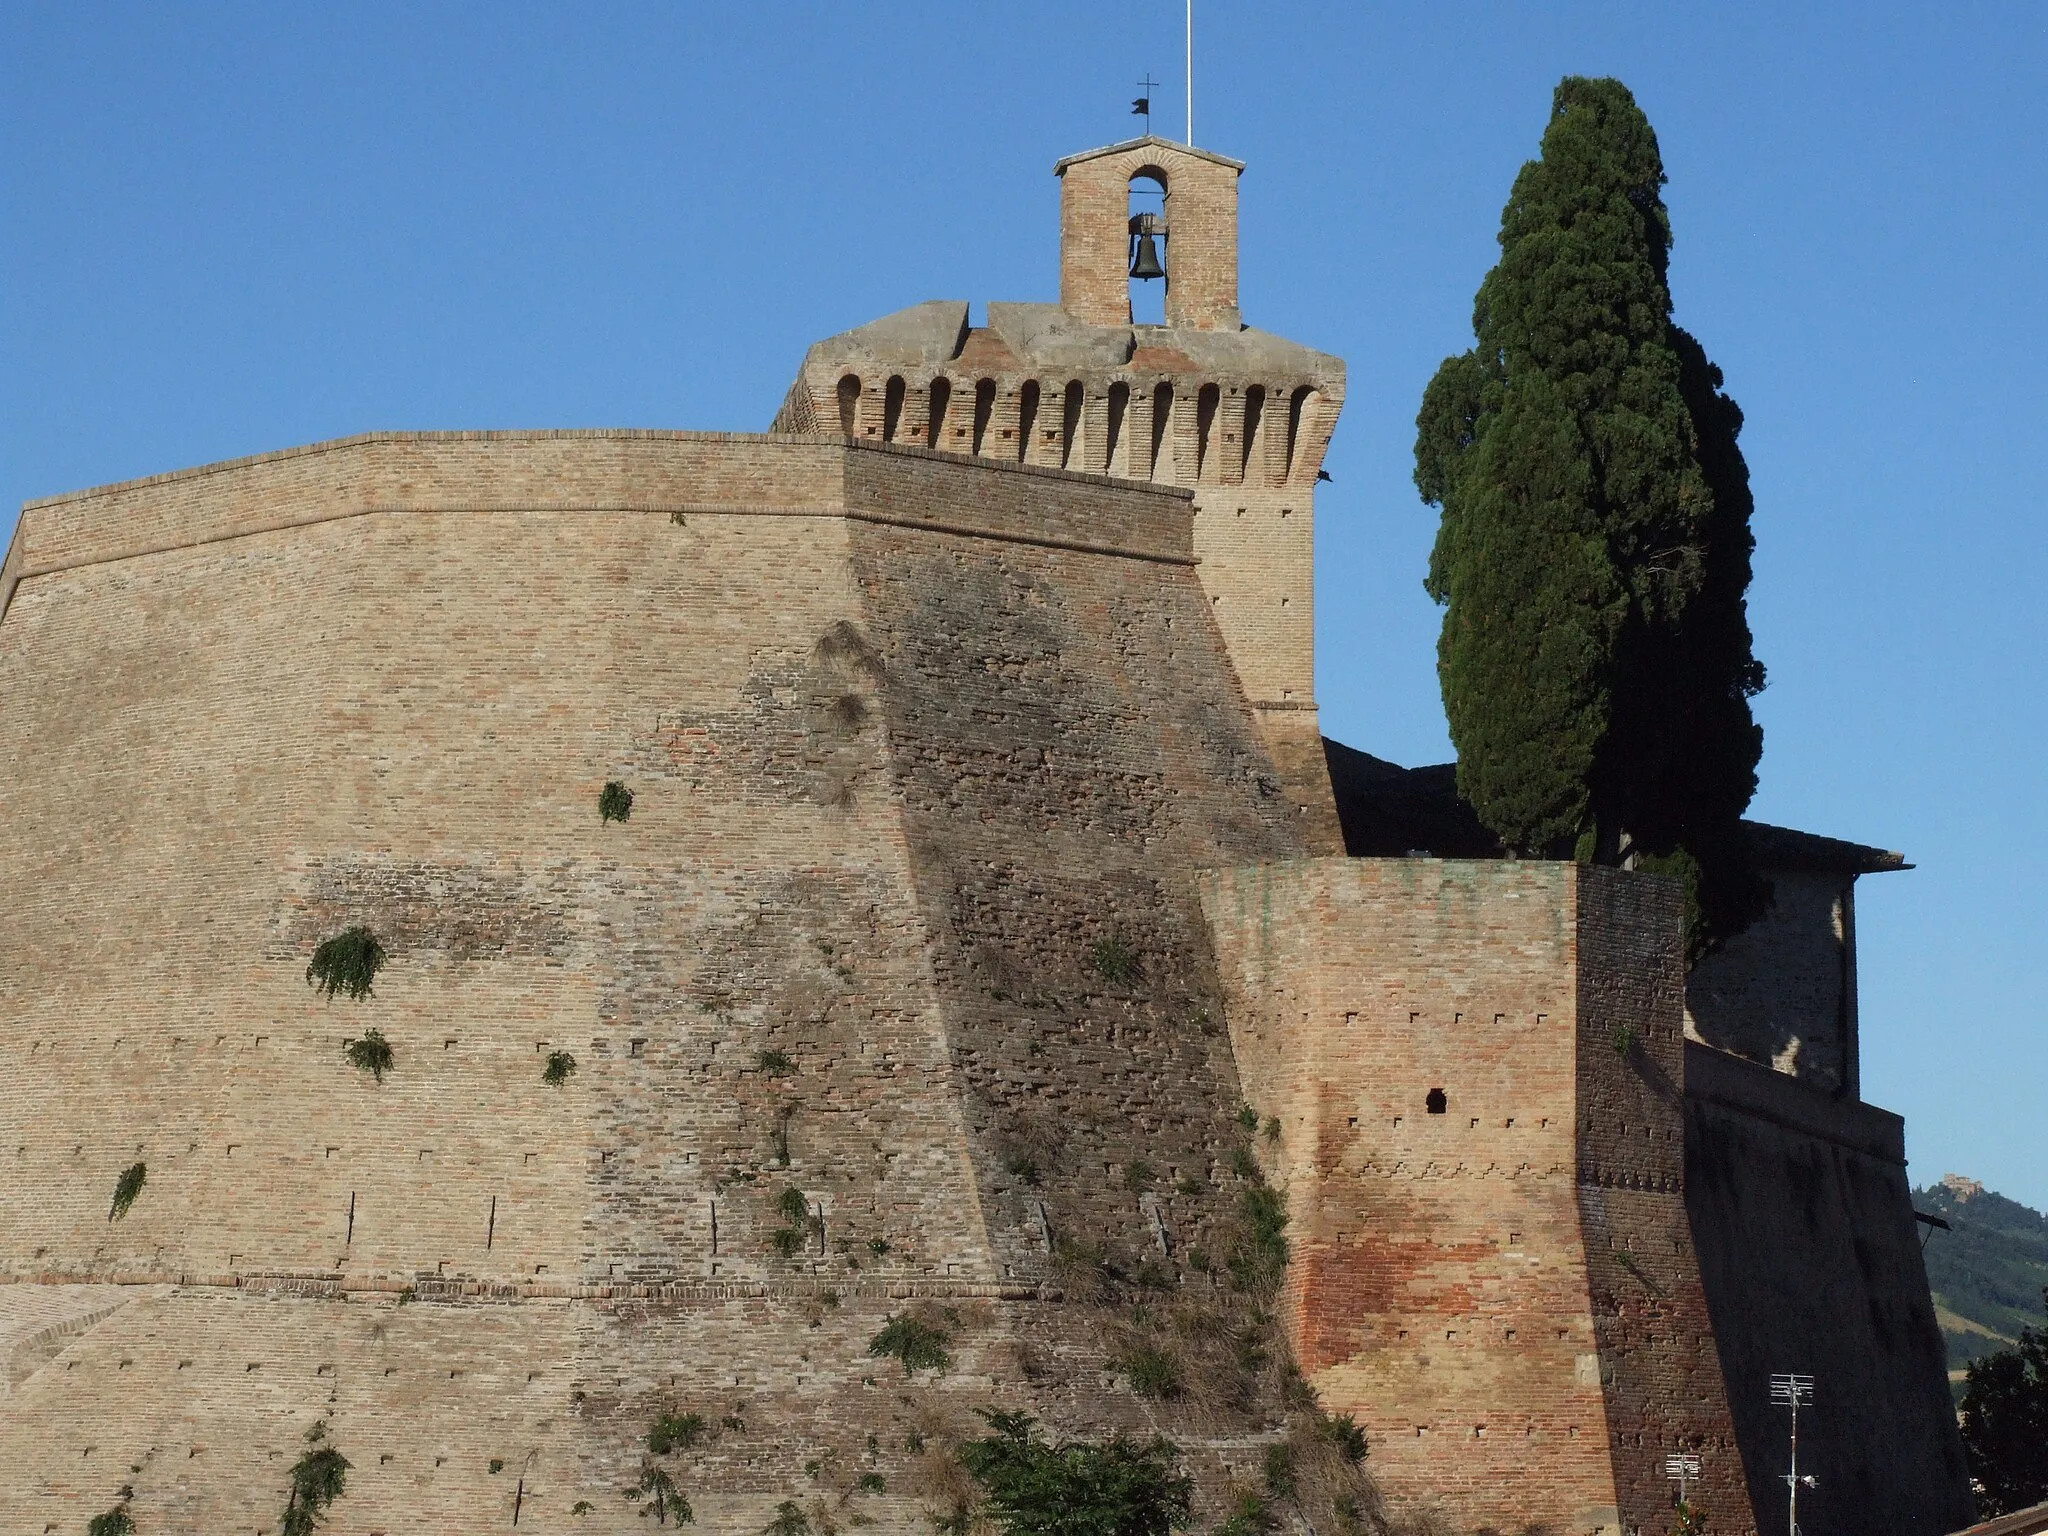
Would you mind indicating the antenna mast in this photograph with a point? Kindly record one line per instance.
(1191, 74)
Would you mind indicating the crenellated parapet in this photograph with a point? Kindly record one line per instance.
(1241, 417)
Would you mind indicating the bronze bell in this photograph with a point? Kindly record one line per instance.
(1145, 259)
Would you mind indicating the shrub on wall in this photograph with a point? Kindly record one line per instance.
(614, 802)
(115, 1522)
(370, 1053)
(657, 1485)
(1115, 961)
(921, 1346)
(675, 1431)
(348, 962)
(318, 1479)
(1030, 1488)
(126, 1188)
(557, 1072)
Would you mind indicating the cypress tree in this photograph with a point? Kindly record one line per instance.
(1594, 551)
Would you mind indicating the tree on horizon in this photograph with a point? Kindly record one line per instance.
(1594, 551)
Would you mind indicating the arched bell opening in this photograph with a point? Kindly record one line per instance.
(1147, 251)
(849, 404)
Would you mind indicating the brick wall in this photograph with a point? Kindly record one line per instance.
(1475, 1075)
(1783, 991)
(909, 736)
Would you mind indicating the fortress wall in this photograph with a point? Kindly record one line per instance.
(1458, 1279)
(1783, 991)
(1802, 1212)
(1071, 747)
(864, 754)
(404, 721)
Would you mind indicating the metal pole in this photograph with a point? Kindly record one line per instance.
(1191, 73)
(1792, 1517)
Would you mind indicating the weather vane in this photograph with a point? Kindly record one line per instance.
(1142, 105)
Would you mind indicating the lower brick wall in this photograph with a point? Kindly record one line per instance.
(1476, 1076)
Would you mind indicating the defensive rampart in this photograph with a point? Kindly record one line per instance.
(1472, 1080)
(1803, 1217)
(902, 926)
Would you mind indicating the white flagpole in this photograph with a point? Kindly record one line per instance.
(1191, 73)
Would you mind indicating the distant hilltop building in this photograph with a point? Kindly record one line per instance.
(978, 947)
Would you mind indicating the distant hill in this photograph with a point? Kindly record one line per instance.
(1987, 1273)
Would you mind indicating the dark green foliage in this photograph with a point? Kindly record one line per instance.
(1987, 1270)
(126, 1188)
(1272, 1128)
(1259, 1257)
(787, 1242)
(614, 802)
(1115, 961)
(657, 1485)
(920, 1345)
(872, 1482)
(794, 1205)
(1243, 1163)
(1623, 1040)
(1024, 1168)
(318, 1479)
(561, 1065)
(1137, 1174)
(1595, 547)
(1121, 1487)
(115, 1522)
(2005, 1424)
(582, 1507)
(878, 1246)
(497, 1465)
(774, 1063)
(1343, 1431)
(675, 1431)
(348, 962)
(1247, 1117)
(788, 1521)
(371, 1054)
(1154, 1372)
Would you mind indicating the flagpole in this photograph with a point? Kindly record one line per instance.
(1191, 73)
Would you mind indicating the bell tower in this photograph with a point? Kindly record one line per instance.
(1239, 416)
(1198, 241)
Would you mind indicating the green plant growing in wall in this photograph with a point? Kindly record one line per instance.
(348, 962)
(675, 1431)
(1623, 1040)
(1115, 961)
(1342, 1431)
(581, 1507)
(614, 802)
(657, 1485)
(1153, 1372)
(126, 1188)
(318, 1479)
(788, 1521)
(775, 1063)
(1259, 1257)
(370, 1053)
(560, 1068)
(872, 1482)
(920, 1345)
(1137, 1174)
(1120, 1487)
(115, 1522)
(1247, 1117)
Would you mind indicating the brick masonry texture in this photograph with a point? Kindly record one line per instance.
(1474, 1080)
(910, 738)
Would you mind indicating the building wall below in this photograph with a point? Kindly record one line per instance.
(1803, 1218)
(1471, 1079)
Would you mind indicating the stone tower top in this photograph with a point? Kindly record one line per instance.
(1201, 227)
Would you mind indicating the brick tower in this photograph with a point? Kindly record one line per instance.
(1239, 417)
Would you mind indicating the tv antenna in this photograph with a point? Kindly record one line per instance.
(1793, 1390)
(1681, 1469)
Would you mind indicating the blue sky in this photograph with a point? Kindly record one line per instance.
(230, 228)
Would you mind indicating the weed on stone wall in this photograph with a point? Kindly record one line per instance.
(318, 1479)
(919, 1343)
(775, 1063)
(126, 1188)
(115, 1522)
(1153, 1372)
(1623, 1040)
(788, 1521)
(1115, 961)
(668, 1499)
(675, 1431)
(370, 1053)
(348, 962)
(1026, 1486)
(614, 802)
(798, 1223)
(561, 1066)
